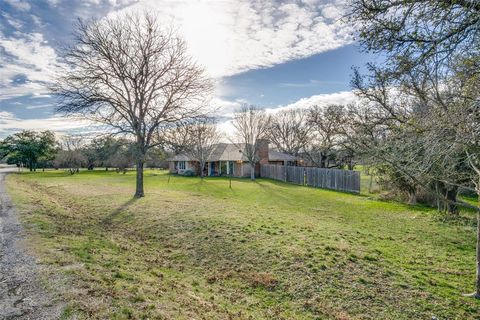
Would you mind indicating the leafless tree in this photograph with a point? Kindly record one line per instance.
(290, 131)
(203, 138)
(131, 75)
(174, 138)
(325, 123)
(124, 157)
(70, 154)
(251, 126)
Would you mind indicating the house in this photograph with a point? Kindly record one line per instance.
(229, 159)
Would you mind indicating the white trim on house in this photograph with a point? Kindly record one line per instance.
(181, 165)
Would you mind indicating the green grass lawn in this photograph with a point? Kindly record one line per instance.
(195, 249)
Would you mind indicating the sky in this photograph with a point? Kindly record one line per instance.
(274, 54)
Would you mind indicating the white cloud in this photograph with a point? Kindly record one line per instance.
(32, 51)
(38, 22)
(28, 88)
(343, 97)
(5, 115)
(39, 106)
(53, 3)
(225, 108)
(19, 4)
(233, 36)
(321, 100)
(10, 123)
(307, 84)
(331, 12)
(228, 37)
(15, 23)
(28, 57)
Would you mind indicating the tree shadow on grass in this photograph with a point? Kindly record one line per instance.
(115, 213)
(211, 186)
(274, 191)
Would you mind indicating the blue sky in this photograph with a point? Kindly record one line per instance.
(272, 54)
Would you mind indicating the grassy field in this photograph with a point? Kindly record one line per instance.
(195, 249)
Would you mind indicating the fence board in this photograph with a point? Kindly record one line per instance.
(334, 179)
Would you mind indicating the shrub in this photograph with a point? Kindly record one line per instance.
(188, 173)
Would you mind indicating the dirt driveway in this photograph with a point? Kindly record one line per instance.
(21, 294)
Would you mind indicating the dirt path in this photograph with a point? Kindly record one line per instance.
(21, 293)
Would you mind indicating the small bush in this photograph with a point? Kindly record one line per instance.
(188, 173)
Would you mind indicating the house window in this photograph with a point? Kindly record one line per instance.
(181, 165)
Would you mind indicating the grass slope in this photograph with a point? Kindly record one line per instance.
(265, 249)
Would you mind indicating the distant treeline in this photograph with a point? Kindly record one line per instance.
(40, 150)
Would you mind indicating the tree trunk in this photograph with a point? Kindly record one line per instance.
(448, 196)
(477, 284)
(323, 161)
(139, 188)
(451, 197)
(252, 171)
(412, 197)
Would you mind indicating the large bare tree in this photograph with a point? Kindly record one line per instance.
(203, 139)
(131, 75)
(174, 138)
(251, 126)
(326, 133)
(290, 131)
(70, 154)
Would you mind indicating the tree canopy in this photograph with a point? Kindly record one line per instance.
(28, 148)
(131, 75)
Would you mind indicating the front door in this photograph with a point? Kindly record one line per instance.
(212, 168)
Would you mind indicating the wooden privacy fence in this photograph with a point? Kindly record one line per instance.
(334, 179)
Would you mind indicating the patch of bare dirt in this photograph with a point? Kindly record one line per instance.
(22, 295)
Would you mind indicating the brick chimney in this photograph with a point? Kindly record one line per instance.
(262, 150)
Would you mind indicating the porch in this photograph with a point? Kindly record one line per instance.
(227, 168)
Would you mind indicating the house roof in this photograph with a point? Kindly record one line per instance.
(217, 152)
(179, 157)
(234, 152)
(231, 152)
(280, 156)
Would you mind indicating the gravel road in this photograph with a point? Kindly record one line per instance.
(21, 294)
